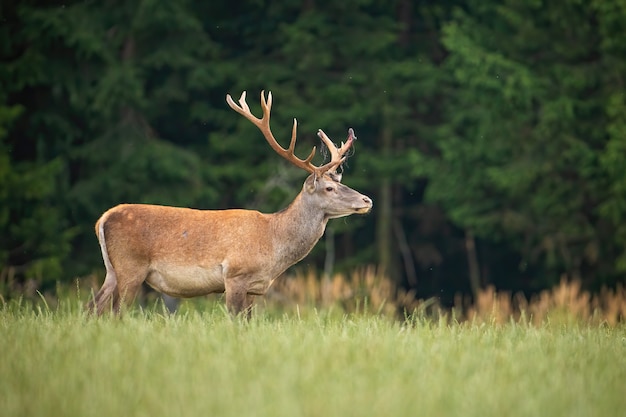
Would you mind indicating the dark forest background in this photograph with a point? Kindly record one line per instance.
(491, 134)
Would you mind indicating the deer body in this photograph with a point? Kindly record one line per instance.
(185, 252)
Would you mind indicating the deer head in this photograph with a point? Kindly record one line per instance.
(323, 188)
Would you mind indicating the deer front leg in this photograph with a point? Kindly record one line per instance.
(248, 307)
(238, 301)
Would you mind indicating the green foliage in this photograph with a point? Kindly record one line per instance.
(31, 234)
(520, 159)
(98, 136)
(500, 120)
(613, 156)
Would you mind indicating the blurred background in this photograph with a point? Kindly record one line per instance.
(491, 133)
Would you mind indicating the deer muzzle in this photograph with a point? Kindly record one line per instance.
(365, 205)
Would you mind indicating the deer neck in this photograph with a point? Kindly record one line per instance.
(297, 229)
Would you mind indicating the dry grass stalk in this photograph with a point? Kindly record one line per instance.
(368, 290)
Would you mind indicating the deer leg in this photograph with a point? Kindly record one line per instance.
(248, 306)
(237, 299)
(127, 294)
(129, 279)
(124, 298)
(105, 296)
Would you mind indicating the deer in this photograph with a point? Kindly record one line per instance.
(184, 252)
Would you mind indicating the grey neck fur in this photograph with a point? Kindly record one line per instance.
(297, 229)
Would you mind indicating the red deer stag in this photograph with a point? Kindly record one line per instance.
(186, 253)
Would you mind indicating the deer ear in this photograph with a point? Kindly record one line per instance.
(336, 176)
(310, 184)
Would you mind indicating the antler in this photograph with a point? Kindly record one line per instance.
(337, 156)
(263, 124)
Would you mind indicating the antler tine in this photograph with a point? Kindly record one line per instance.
(243, 104)
(351, 138)
(292, 143)
(329, 143)
(263, 124)
(267, 104)
(242, 108)
(336, 154)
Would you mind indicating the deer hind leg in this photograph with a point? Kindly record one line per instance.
(122, 281)
(120, 288)
(107, 296)
(130, 277)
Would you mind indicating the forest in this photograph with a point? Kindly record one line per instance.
(491, 133)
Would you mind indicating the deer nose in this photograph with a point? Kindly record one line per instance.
(367, 200)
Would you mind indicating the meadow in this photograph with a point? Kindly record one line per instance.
(57, 361)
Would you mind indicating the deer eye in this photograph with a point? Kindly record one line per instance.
(329, 189)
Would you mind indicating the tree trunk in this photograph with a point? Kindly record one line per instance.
(384, 224)
(405, 251)
(472, 262)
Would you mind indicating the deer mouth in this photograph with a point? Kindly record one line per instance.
(366, 208)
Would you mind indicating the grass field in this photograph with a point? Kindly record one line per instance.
(59, 362)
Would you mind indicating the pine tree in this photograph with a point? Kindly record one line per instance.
(105, 89)
(520, 154)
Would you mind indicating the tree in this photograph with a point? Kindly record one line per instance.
(519, 156)
(356, 64)
(35, 236)
(612, 47)
(105, 88)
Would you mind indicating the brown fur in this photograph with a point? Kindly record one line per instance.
(186, 253)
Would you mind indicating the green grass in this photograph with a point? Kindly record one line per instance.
(202, 363)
